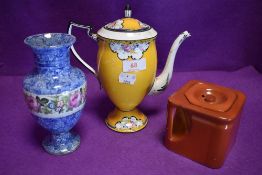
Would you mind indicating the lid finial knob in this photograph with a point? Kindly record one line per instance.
(128, 11)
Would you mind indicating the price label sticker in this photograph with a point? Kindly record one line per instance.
(127, 78)
(134, 65)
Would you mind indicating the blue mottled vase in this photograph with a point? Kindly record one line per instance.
(55, 91)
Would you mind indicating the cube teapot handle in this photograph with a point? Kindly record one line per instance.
(172, 113)
(91, 35)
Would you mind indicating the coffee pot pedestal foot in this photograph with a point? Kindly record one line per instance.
(61, 144)
(126, 121)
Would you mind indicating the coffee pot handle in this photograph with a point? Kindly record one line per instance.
(91, 35)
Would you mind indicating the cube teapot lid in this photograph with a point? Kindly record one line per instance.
(212, 101)
(127, 28)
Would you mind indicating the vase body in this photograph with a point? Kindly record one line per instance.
(55, 91)
(126, 70)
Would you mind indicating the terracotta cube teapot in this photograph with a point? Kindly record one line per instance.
(126, 68)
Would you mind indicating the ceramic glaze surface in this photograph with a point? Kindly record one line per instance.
(59, 125)
(110, 65)
(127, 25)
(57, 105)
(55, 92)
(125, 29)
(111, 55)
(133, 50)
(200, 130)
(60, 144)
(127, 64)
(48, 81)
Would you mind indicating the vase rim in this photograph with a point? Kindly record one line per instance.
(50, 40)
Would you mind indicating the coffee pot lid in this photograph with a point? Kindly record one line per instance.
(127, 28)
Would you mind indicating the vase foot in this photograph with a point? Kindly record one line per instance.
(126, 121)
(61, 144)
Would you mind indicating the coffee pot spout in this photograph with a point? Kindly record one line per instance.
(161, 82)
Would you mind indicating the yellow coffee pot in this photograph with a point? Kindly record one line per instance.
(126, 68)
